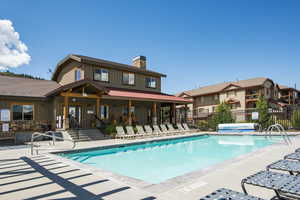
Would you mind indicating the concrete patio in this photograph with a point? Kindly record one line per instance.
(23, 176)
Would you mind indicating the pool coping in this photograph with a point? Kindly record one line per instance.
(167, 184)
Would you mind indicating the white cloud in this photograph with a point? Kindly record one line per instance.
(13, 52)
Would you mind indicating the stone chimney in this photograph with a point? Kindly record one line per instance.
(140, 62)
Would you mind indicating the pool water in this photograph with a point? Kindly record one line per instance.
(158, 161)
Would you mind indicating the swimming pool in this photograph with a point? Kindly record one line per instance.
(158, 161)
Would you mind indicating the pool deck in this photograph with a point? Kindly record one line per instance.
(23, 176)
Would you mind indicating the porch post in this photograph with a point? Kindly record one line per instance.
(98, 107)
(66, 112)
(174, 113)
(185, 112)
(129, 113)
(154, 115)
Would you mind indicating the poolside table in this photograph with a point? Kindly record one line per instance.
(284, 185)
(293, 167)
(226, 194)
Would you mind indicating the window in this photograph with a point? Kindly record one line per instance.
(128, 78)
(104, 112)
(77, 74)
(22, 112)
(151, 82)
(101, 75)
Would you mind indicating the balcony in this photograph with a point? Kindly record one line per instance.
(252, 97)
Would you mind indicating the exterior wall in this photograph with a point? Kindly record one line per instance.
(67, 75)
(116, 79)
(41, 116)
(268, 89)
(237, 95)
(206, 100)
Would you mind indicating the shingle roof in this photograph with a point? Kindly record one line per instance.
(104, 63)
(25, 87)
(219, 87)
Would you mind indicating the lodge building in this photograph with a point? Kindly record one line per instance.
(83, 93)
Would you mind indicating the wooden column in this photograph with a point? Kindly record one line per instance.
(66, 112)
(98, 107)
(185, 112)
(129, 113)
(154, 114)
(174, 113)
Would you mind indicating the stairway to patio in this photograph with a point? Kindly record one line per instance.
(86, 134)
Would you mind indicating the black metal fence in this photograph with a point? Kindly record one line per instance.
(289, 117)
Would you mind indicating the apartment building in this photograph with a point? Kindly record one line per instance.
(240, 95)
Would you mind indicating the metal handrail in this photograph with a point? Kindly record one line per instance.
(37, 135)
(281, 130)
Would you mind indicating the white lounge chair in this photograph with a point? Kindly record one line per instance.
(130, 131)
(165, 130)
(121, 133)
(180, 128)
(157, 130)
(186, 127)
(149, 131)
(172, 129)
(140, 131)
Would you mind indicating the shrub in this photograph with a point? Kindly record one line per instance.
(110, 130)
(202, 125)
(296, 119)
(221, 116)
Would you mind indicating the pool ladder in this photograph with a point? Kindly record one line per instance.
(49, 134)
(279, 129)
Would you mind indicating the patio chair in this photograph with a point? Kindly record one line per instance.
(165, 130)
(172, 129)
(148, 130)
(121, 133)
(284, 185)
(293, 156)
(186, 127)
(293, 167)
(180, 127)
(130, 131)
(157, 130)
(140, 131)
(229, 194)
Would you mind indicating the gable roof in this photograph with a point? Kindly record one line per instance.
(221, 86)
(101, 62)
(76, 84)
(25, 87)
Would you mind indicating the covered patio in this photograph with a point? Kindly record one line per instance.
(88, 104)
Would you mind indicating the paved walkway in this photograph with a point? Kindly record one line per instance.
(41, 177)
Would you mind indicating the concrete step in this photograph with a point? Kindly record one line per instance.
(85, 134)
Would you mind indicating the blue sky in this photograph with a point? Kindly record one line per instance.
(195, 43)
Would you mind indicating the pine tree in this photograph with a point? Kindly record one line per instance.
(264, 118)
(221, 116)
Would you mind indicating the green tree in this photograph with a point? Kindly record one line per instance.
(264, 117)
(296, 119)
(221, 116)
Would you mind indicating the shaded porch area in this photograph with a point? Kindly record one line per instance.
(87, 104)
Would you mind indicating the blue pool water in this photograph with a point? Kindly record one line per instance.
(158, 161)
